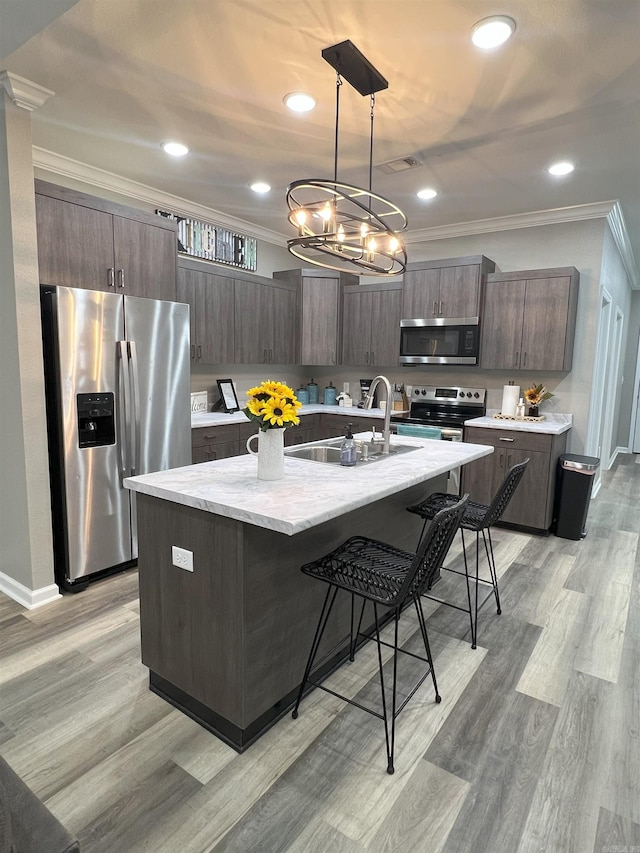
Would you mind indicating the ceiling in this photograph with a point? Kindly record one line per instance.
(129, 74)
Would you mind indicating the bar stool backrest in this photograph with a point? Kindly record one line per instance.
(504, 494)
(434, 545)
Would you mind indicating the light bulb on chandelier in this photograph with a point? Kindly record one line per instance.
(340, 226)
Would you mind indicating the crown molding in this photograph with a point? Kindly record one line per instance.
(618, 228)
(58, 164)
(598, 210)
(24, 93)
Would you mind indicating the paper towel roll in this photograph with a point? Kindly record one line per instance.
(510, 397)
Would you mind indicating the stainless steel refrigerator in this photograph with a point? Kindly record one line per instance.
(118, 404)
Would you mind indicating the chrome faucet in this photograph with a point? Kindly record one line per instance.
(386, 433)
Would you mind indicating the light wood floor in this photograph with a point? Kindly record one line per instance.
(535, 746)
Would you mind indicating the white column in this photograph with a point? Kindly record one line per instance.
(26, 548)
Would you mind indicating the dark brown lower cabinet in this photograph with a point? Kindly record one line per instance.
(531, 506)
(220, 442)
(224, 440)
(332, 426)
(217, 442)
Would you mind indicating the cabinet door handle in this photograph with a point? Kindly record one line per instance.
(112, 277)
(507, 439)
(524, 363)
(441, 307)
(333, 356)
(435, 309)
(373, 358)
(270, 356)
(515, 360)
(199, 351)
(121, 278)
(193, 352)
(366, 358)
(264, 356)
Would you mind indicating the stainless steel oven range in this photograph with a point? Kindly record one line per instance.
(445, 407)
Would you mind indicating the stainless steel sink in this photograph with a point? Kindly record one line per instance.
(329, 451)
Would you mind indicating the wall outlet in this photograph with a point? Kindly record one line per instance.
(182, 558)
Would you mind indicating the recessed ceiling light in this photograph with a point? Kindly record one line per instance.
(299, 102)
(260, 187)
(562, 168)
(176, 149)
(426, 193)
(493, 31)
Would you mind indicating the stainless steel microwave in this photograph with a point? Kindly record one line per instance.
(443, 340)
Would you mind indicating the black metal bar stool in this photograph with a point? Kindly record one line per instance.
(375, 572)
(477, 518)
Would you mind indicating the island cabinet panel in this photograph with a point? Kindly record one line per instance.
(191, 633)
(445, 288)
(228, 642)
(531, 506)
(211, 299)
(371, 325)
(84, 241)
(265, 316)
(528, 319)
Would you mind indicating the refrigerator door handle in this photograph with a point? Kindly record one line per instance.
(135, 385)
(124, 407)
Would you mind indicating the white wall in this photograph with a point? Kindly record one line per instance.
(26, 559)
(613, 277)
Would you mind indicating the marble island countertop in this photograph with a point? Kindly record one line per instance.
(554, 423)
(208, 419)
(310, 492)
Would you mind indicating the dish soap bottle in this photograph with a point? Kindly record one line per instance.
(348, 449)
(520, 410)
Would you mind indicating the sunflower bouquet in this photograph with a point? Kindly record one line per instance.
(272, 405)
(537, 394)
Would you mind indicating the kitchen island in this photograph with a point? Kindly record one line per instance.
(226, 640)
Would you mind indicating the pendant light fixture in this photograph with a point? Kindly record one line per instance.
(342, 227)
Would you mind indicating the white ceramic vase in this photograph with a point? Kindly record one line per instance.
(270, 453)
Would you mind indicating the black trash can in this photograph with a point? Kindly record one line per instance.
(574, 483)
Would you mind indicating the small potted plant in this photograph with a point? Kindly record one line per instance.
(534, 396)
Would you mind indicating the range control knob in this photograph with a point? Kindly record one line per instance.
(476, 395)
(468, 393)
(416, 391)
(461, 394)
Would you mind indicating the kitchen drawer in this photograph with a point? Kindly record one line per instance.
(211, 452)
(214, 435)
(514, 439)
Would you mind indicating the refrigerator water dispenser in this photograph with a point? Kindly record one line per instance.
(96, 419)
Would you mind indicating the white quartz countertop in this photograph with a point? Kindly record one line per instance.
(310, 493)
(554, 423)
(208, 419)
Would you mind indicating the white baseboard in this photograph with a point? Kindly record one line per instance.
(29, 598)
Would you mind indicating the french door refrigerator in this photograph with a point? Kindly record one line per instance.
(118, 404)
